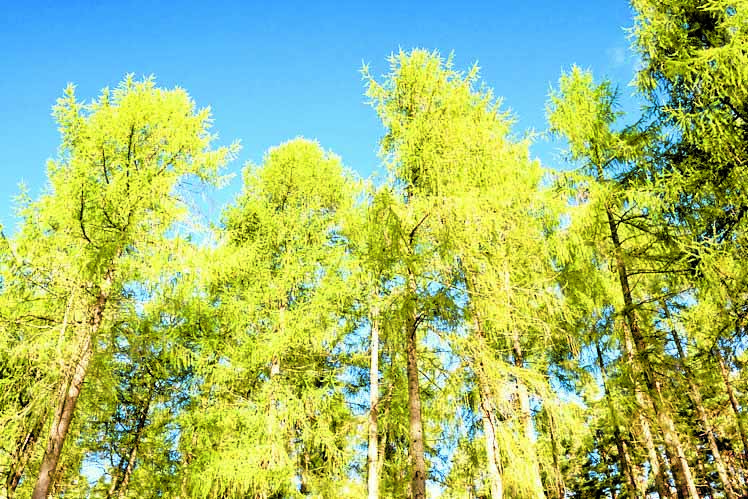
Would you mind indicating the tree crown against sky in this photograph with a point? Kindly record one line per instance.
(472, 324)
(272, 73)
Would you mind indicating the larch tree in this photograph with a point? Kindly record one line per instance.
(583, 113)
(694, 76)
(111, 195)
(473, 231)
(270, 418)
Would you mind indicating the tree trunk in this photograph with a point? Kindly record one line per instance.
(523, 397)
(383, 441)
(61, 422)
(560, 486)
(373, 449)
(658, 464)
(66, 406)
(733, 400)
(417, 448)
(681, 470)
(116, 478)
(142, 420)
(656, 461)
(719, 463)
(706, 485)
(488, 417)
(488, 412)
(525, 416)
(24, 449)
(492, 448)
(621, 445)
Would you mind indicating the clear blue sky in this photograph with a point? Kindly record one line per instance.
(272, 72)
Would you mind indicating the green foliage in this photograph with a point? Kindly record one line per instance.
(554, 318)
(273, 385)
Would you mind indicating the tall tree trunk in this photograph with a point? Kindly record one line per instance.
(488, 412)
(488, 418)
(706, 482)
(24, 450)
(492, 447)
(118, 472)
(681, 470)
(417, 448)
(121, 488)
(66, 406)
(61, 422)
(621, 444)
(659, 465)
(523, 397)
(387, 401)
(560, 486)
(733, 400)
(697, 401)
(373, 449)
(525, 416)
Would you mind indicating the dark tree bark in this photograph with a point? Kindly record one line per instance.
(733, 401)
(119, 486)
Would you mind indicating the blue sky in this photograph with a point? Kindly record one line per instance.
(272, 72)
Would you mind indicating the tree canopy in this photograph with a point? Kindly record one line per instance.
(475, 325)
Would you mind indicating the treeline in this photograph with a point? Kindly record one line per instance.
(477, 326)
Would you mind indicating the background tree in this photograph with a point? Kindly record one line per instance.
(270, 418)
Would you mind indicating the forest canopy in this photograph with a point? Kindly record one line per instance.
(475, 325)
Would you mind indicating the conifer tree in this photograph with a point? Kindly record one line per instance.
(111, 195)
(583, 113)
(270, 418)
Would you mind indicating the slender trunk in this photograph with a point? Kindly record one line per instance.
(681, 470)
(525, 416)
(706, 482)
(658, 464)
(142, 420)
(621, 445)
(122, 492)
(24, 450)
(523, 398)
(62, 419)
(488, 417)
(116, 479)
(373, 479)
(488, 413)
(383, 441)
(560, 486)
(492, 448)
(66, 406)
(733, 400)
(417, 448)
(719, 463)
